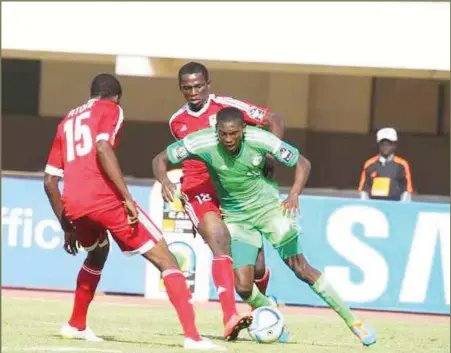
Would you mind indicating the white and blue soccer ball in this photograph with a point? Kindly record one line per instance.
(267, 325)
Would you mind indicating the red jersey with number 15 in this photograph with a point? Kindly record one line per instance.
(73, 155)
(186, 121)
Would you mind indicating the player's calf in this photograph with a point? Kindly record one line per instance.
(263, 281)
(176, 287)
(87, 281)
(262, 273)
(302, 269)
(216, 235)
(319, 284)
(244, 281)
(247, 290)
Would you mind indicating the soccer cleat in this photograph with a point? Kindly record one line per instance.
(70, 332)
(236, 323)
(284, 335)
(365, 333)
(203, 345)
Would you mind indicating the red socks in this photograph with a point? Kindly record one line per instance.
(87, 281)
(262, 283)
(180, 297)
(224, 278)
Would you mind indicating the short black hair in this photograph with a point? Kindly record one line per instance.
(105, 86)
(193, 68)
(230, 114)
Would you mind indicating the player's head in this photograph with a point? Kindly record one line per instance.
(106, 86)
(194, 83)
(230, 127)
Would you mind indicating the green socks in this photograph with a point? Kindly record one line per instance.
(327, 293)
(321, 287)
(257, 299)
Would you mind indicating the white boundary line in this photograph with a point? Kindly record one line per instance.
(60, 349)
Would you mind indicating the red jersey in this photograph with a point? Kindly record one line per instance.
(186, 121)
(73, 155)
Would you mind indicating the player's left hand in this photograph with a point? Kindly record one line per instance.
(291, 205)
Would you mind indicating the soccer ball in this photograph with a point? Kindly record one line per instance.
(267, 325)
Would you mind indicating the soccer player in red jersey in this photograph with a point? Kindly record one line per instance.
(95, 200)
(198, 193)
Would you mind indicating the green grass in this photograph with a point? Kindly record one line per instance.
(32, 326)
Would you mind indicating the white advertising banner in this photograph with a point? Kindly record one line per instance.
(193, 255)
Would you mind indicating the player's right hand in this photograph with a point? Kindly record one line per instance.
(70, 242)
(167, 190)
(132, 211)
(290, 206)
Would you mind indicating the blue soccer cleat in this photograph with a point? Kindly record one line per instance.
(365, 333)
(284, 336)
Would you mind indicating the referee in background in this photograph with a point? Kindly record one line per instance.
(386, 176)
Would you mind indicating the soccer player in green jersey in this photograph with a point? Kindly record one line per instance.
(250, 204)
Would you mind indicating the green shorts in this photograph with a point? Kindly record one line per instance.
(281, 231)
(245, 254)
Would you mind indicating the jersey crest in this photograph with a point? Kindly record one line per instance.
(257, 160)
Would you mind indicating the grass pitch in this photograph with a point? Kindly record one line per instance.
(30, 324)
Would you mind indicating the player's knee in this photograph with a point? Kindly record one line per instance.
(161, 257)
(216, 234)
(98, 256)
(301, 268)
(260, 266)
(244, 290)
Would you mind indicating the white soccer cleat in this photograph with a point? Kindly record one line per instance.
(203, 345)
(70, 332)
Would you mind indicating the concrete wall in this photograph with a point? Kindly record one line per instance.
(331, 118)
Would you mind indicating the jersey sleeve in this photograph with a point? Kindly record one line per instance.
(198, 144)
(270, 143)
(55, 159)
(253, 114)
(110, 123)
(256, 115)
(178, 129)
(177, 152)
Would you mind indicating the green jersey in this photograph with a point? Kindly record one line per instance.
(241, 186)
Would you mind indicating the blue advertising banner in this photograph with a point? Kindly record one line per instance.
(378, 255)
(32, 240)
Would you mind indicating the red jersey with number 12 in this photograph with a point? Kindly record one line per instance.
(73, 155)
(186, 121)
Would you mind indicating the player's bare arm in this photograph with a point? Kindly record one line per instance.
(301, 174)
(110, 166)
(160, 171)
(275, 123)
(54, 196)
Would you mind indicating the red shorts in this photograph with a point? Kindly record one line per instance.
(92, 229)
(199, 201)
